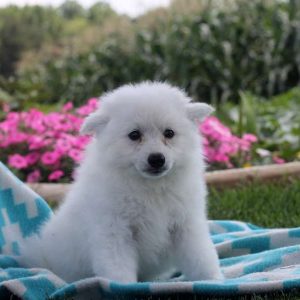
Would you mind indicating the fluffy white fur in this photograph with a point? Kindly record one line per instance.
(121, 221)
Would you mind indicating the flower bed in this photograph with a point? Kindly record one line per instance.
(45, 147)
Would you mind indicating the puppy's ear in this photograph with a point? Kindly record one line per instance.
(94, 123)
(198, 111)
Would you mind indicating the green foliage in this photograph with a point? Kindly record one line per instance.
(213, 54)
(276, 122)
(22, 29)
(100, 11)
(29, 28)
(71, 9)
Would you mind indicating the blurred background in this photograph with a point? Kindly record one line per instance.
(241, 56)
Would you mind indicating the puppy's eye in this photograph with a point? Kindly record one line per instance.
(169, 133)
(135, 135)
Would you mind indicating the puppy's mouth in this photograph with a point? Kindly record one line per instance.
(154, 172)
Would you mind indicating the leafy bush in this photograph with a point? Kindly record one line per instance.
(213, 54)
(276, 123)
(45, 147)
(22, 29)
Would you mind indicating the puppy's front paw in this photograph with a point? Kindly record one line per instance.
(217, 276)
(204, 271)
(123, 278)
(118, 275)
(196, 276)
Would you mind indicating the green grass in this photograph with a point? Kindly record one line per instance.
(274, 204)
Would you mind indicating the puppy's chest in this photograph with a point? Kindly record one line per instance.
(153, 223)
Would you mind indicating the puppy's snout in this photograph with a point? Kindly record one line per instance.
(156, 160)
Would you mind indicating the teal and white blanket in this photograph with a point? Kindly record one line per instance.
(253, 259)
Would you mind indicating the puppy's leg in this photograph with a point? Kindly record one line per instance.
(195, 253)
(114, 257)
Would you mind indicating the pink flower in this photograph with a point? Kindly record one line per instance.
(34, 119)
(55, 175)
(214, 128)
(249, 137)
(32, 158)
(227, 148)
(81, 141)
(17, 161)
(68, 106)
(63, 145)
(89, 107)
(34, 176)
(93, 103)
(37, 142)
(221, 145)
(76, 155)
(13, 117)
(244, 145)
(278, 160)
(220, 157)
(18, 137)
(50, 158)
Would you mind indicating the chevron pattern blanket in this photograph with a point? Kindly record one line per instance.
(253, 259)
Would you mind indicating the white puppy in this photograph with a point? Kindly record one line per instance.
(137, 207)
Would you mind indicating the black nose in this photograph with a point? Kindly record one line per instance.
(156, 160)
